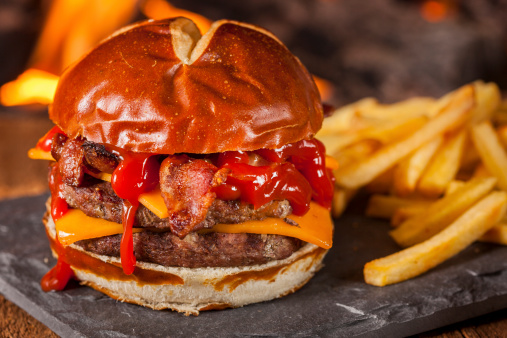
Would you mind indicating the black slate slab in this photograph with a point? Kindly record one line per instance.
(336, 303)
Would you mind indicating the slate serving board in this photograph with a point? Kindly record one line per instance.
(335, 303)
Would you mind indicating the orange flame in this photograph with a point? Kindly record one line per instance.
(435, 11)
(33, 86)
(325, 88)
(72, 28)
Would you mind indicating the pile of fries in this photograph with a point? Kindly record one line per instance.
(436, 168)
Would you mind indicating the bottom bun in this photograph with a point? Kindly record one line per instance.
(190, 290)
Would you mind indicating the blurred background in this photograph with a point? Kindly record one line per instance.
(387, 49)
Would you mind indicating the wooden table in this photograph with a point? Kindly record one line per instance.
(20, 176)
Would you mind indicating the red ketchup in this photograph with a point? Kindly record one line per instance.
(295, 172)
(308, 156)
(57, 278)
(46, 141)
(136, 174)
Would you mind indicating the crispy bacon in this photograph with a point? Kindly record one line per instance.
(99, 158)
(76, 156)
(186, 186)
(71, 162)
(57, 145)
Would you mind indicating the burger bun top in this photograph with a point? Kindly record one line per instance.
(161, 87)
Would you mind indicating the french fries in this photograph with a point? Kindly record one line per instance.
(356, 151)
(443, 167)
(413, 107)
(452, 116)
(441, 213)
(396, 130)
(491, 151)
(383, 206)
(453, 186)
(400, 215)
(488, 100)
(433, 167)
(340, 200)
(420, 258)
(409, 171)
(346, 118)
(497, 234)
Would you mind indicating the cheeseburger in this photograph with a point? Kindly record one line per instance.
(184, 171)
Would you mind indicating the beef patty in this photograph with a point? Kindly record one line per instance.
(199, 250)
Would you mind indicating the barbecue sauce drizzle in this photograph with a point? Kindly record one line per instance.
(295, 172)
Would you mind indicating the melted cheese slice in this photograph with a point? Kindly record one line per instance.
(75, 226)
(39, 154)
(314, 227)
(331, 162)
(154, 201)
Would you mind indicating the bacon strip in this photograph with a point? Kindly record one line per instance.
(71, 162)
(186, 186)
(77, 155)
(97, 157)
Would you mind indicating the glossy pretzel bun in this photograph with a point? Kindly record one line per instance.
(159, 87)
(190, 290)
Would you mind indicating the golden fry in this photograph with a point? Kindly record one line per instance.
(420, 258)
(356, 152)
(393, 131)
(500, 115)
(413, 107)
(443, 167)
(487, 101)
(408, 172)
(345, 118)
(404, 213)
(497, 234)
(453, 186)
(490, 150)
(441, 213)
(502, 135)
(481, 171)
(384, 206)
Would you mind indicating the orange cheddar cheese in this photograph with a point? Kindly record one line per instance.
(39, 154)
(154, 201)
(75, 226)
(314, 227)
(331, 162)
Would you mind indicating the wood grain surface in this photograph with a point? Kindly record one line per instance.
(20, 176)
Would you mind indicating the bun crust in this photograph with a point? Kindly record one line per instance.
(189, 290)
(159, 87)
